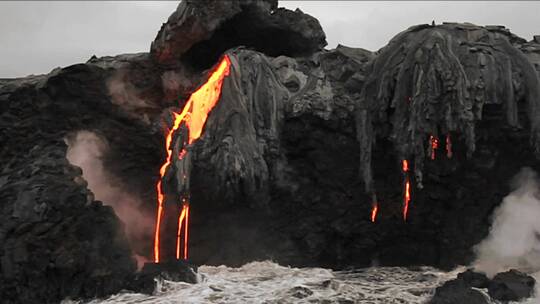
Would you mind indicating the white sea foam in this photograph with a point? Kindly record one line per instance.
(267, 282)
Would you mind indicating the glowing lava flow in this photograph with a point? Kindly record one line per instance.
(407, 195)
(194, 115)
(374, 210)
(434, 142)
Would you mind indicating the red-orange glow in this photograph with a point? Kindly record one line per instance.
(448, 146)
(193, 115)
(434, 142)
(179, 233)
(407, 199)
(405, 165)
(186, 238)
(374, 211)
(182, 153)
(160, 197)
(407, 194)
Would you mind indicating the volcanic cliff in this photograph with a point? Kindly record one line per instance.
(303, 143)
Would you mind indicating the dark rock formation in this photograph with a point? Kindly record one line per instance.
(474, 279)
(506, 286)
(178, 271)
(473, 90)
(435, 81)
(56, 240)
(275, 174)
(200, 31)
(458, 291)
(511, 286)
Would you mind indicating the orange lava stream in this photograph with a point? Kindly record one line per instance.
(407, 199)
(160, 196)
(179, 234)
(374, 211)
(405, 165)
(194, 115)
(186, 233)
(434, 141)
(407, 194)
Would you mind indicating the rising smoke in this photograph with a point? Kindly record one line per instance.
(514, 239)
(87, 150)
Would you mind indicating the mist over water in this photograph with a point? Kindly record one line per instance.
(86, 150)
(514, 238)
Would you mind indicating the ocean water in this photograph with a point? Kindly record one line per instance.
(269, 283)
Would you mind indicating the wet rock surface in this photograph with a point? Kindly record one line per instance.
(145, 281)
(503, 287)
(511, 286)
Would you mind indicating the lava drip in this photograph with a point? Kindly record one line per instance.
(193, 116)
(434, 144)
(407, 192)
(374, 210)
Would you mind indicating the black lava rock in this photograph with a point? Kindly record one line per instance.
(511, 286)
(178, 271)
(474, 279)
(458, 291)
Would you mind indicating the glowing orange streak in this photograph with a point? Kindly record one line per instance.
(405, 165)
(374, 210)
(434, 145)
(407, 199)
(162, 170)
(180, 221)
(194, 114)
(186, 225)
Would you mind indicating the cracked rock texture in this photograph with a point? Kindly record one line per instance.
(291, 155)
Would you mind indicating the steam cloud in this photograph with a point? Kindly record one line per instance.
(514, 239)
(86, 150)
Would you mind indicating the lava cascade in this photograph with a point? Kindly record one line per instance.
(407, 194)
(193, 116)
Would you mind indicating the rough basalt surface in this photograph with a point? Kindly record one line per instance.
(56, 240)
(436, 81)
(198, 32)
(472, 287)
(276, 172)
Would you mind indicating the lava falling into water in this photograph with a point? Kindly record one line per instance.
(407, 194)
(193, 115)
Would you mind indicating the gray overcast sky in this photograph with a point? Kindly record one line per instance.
(37, 36)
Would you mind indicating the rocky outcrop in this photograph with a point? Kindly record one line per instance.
(198, 32)
(436, 81)
(57, 241)
(511, 286)
(146, 280)
(469, 287)
(275, 173)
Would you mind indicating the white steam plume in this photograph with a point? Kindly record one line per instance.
(86, 150)
(514, 239)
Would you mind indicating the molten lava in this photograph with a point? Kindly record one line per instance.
(407, 198)
(374, 210)
(434, 142)
(193, 115)
(405, 165)
(183, 222)
(407, 193)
